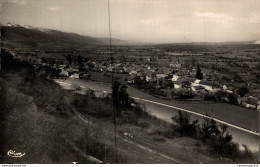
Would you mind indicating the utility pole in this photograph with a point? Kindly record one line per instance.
(114, 100)
(0, 45)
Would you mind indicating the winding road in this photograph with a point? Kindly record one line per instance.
(243, 123)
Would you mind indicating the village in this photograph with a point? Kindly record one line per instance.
(222, 76)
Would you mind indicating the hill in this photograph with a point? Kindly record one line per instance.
(39, 37)
(36, 36)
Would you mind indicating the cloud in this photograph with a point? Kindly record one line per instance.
(213, 17)
(150, 22)
(255, 17)
(53, 8)
(19, 2)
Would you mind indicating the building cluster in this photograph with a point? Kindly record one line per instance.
(165, 72)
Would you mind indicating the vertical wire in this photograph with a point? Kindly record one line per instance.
(114, 107)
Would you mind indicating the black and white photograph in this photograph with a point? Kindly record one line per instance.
(129, 82)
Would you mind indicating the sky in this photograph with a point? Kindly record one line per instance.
(156, 21)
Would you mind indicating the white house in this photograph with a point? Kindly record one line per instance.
(175, 78)
(64, 73)
(75, 76)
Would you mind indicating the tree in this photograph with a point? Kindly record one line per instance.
(120, 96)
(80, 60)
(90, 65)
(209, 128)
(115, 91)
(232, 98)
(199, 75)
(184, 125)
(237, 77)
(122, 58)
(258, 66)
(43, 60)
(123, 96)
(112, 58)
(243, 90)
(30, 75)
(257, 77)
(193, 61)
(172, 94)
(69, 59)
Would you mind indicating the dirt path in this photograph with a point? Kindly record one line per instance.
(123, 142)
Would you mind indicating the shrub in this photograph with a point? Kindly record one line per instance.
(143, 124)
(184, 93)
(220, 95)
(184, 127)
(209, 128)
(243, 90)
(232, 98)
(209, 96)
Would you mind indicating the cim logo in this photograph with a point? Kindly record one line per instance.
(12, 153)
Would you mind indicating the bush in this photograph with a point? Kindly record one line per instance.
(232, 98)
(209, 96)
(184, 127)
(143, 124)
(243, 90)
(220, 95)
(209, 128)
(184, 93)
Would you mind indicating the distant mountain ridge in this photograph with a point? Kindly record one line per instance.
(32, 35)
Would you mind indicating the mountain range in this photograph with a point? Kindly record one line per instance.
(30, 35)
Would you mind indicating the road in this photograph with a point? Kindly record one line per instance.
(243, 123)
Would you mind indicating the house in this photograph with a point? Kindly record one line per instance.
(64, 73)
(210, 86)
(258, 105)
(177, 84)
(175, 65)
(197, 81)
(224, 87)
(175, 78)
(250, 106)
(133, 72)
(131, 79)
(161, 76)
(142, 75)
(74, 76)
(147, 78)
(198, 89)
